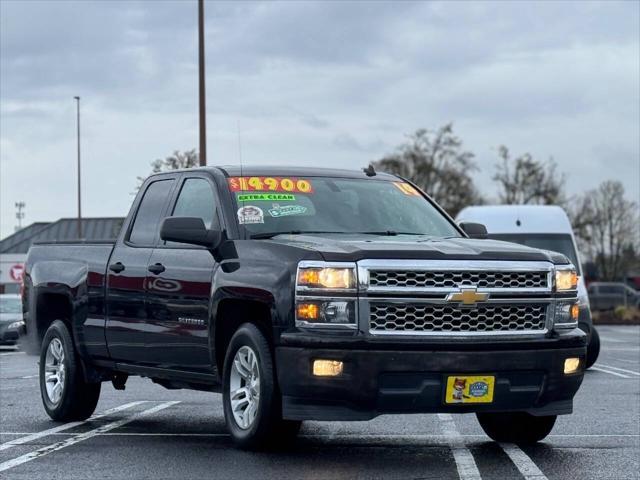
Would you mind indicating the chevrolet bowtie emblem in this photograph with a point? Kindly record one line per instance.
(467, 296)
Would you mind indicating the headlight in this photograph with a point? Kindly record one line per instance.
(566, 280)
(330, 277)
(566, 315)
(340, 313)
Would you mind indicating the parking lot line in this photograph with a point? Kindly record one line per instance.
(34, 436)
(465, 463)
(523, 463)
(41, 452)
(598, 369)
(618, 369)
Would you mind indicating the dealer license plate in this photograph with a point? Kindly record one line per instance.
(470, 389)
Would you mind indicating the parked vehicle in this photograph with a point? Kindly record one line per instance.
(539, 226)
(308, 294)
(609, 295)
(10, 318)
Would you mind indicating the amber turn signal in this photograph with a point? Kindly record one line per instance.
(307, 311)
(327, 368)
(575, 312)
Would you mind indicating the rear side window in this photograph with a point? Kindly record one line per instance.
(196, 200)
(145, 226)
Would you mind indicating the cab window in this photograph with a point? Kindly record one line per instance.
(196, 200)
(146, 224)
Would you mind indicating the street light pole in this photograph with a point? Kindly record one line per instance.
(79, 185)
(201, 89)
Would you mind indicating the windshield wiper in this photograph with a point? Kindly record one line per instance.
(257, 236)
(389, 233)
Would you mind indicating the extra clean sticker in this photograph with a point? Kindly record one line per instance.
(249, 215)
(267, 197)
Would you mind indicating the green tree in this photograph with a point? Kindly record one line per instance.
(438, 164)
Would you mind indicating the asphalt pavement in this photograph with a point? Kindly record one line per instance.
(147, 432)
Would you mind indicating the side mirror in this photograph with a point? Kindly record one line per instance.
(189, 230)
(474, 230)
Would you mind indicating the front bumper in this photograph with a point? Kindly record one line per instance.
(410, 377)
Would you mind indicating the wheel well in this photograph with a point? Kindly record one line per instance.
(50, 307)
(233, 313)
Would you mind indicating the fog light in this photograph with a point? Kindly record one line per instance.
(327, 368)
(571, 365)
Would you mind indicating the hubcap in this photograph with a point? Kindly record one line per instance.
(244, 387)
(54, 371)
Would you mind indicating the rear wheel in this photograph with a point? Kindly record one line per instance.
(593, 349)
(519, 427)
(252, 401)
(65, 394)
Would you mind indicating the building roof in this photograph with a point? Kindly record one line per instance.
(64, 229)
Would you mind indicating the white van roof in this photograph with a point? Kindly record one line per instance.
(518, 218)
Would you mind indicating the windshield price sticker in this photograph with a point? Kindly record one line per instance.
(273, 184)
(267, 197)
(407, 189)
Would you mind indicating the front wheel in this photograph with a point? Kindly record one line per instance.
(519, 427)
(252, 401)
(65, 394)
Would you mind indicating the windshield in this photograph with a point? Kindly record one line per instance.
(267, 206)
(556, 242)
(10, 305)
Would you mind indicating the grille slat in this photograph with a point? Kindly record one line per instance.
(425, 318)
(455, 279)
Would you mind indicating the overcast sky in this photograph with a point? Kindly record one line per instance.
(308, 83)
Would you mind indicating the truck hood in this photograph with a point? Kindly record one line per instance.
(354, 247)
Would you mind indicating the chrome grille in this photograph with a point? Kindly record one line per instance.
(454, 279)
(439, 319)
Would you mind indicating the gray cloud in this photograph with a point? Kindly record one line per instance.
(332, 83)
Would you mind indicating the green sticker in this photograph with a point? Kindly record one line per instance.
(252, 197)
(287, 210)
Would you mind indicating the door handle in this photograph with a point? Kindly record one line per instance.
(157, 268)
(116, 267)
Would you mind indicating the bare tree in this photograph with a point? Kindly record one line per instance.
(177, 160)
(524, 180)
(437, 163)
(606, 225)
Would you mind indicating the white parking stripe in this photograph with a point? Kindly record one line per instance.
(66, 426)
(523, 463)
(465, 463)
(618, 369)
(41, 452)
(598, 369)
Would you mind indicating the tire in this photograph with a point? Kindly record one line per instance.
(519, 427)
(66, 396)
(593, 349)
(259, 424)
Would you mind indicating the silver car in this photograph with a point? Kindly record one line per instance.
(11, 320)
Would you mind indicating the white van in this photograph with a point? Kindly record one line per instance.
(540, 226)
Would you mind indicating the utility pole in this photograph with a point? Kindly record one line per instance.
(19, 214)
(201, 89)
(79, 184)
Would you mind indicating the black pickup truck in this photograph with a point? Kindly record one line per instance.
(307, 294)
